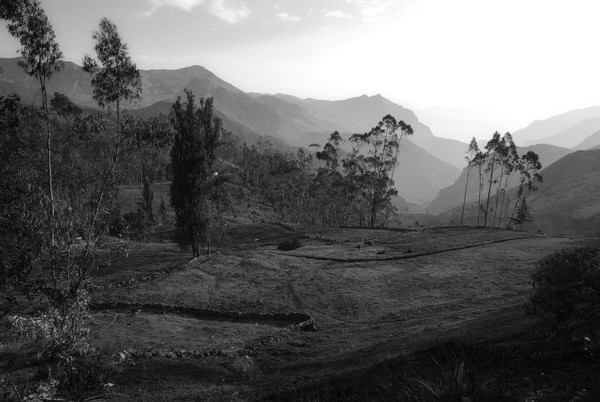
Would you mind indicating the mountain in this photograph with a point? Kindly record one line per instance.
(548, 128)
(280, 119)
(422, 186)
(243, 133)
(591, 142)
(282, 116)
(354, 115)
(71, 81)
(574, 135)
(566, 203)
(452, 196)
(452, 152)
(569, 199)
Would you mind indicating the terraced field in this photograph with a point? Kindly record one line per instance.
(370, 296)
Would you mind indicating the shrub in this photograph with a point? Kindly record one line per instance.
(566, 290)
(453, 378)
(290, 244)
(60, 333)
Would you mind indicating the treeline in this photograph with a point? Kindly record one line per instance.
(498, 165)
(328, 187)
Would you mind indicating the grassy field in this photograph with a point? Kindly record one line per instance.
(376, 296)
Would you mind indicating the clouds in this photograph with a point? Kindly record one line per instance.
(337, 14)
(230, 11)
(370, 9)
(287, 17)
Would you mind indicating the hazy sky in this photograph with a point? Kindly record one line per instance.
(503, 62)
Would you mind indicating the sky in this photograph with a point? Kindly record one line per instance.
(466, 67)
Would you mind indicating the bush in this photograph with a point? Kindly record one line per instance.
(566, 290)
(59, 333)
(452, 377)
(290, 244)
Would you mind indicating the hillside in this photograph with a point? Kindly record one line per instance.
(569, 199)
(452, 196)
(444, 149)
(421, 187)
(566, 203)
(574, 135)
(591, 142)
(547, 128)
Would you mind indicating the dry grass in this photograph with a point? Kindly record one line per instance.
(369, 307)
(167, 332)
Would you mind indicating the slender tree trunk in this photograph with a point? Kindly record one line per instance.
(497, 197)
(479, 196)
(487, 207)
(389, 206)
(46, 112)
(512, 215)
(465, 196)
(105, 181)
(502, 205)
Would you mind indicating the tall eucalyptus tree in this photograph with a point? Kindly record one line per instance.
(472, 152)
(115, 79)
(42, 58)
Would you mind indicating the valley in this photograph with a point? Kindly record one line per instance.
(166, 235)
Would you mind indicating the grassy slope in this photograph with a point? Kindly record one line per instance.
(367, 309)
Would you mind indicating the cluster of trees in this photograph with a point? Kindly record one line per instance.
(59, 174)
(499, 164)
(331, 187)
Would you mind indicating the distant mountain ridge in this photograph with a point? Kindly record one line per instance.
(283, 118)
(567, 129)
(591, 142)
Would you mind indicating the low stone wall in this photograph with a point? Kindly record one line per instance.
(295, 322)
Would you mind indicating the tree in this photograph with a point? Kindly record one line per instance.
(511, 163)
(494, 149)
(523, 215)
(41, 59)
(529, 166)
(115, 80)
(162, 210)
(327, 184)
(405, 130)
(65, 109)
(479, 160)
(472, 152)
(507, 152)
(147, 200)
(9, 9)
(383, 142)
(197, 133)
